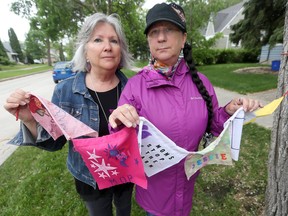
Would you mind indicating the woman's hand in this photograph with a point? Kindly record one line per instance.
(249, 105)
(125, 114)
(17, 105)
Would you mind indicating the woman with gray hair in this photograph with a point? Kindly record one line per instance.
(88, 96)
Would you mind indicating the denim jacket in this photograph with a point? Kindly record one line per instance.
(72, 96)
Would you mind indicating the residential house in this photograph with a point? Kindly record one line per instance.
(54, 56)
(13, 56)
(221, 22)
(270, 54)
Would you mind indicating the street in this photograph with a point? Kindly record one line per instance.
(41, 84)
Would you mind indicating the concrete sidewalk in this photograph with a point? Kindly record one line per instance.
(224, 97)
(265, 97)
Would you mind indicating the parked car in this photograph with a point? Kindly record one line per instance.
(62, 70)
(37, 61)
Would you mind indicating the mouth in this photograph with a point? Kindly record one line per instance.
(162, 48)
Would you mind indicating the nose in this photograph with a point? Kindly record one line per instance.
(107, 46)
(161, 35)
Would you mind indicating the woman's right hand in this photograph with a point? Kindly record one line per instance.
(17, 105)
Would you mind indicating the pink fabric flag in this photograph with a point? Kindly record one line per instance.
(56, 121)
(113, 159)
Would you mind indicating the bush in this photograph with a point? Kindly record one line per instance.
(205, 56)
(222, 56)
(4, 61)
(250, 56)
(227, 56)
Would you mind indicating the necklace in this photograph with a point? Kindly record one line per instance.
(101, 106)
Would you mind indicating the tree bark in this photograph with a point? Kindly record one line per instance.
(48, 52)
(277, 187)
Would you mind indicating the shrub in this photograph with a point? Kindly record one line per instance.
(250, 56)
(222, 56)
(226, 56)
(205, 56)
(4, 61)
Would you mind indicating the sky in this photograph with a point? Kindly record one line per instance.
(21, 25)
(11, 20)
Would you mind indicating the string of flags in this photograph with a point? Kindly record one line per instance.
(130, 154)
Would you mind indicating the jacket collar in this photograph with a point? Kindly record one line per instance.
(154, 79)
(79, 79)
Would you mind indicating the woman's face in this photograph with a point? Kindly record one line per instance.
(165, 42)
(103, 49)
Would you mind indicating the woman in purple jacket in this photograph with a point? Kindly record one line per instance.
(179, 101)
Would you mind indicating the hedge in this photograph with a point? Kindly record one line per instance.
(222, 56)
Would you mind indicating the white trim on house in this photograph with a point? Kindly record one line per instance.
(221, 22)
(232, 19)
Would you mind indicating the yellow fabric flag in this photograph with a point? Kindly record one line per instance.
(266, 110)
(269, 108)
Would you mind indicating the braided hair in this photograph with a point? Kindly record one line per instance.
(187, 51)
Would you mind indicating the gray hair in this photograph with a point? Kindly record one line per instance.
(79, 59)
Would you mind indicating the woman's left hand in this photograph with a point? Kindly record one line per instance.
(249, 105)
(125, 114)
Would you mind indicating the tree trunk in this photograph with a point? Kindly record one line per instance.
(61, 52)
(277, 188)
(109, 7)
(49, 52)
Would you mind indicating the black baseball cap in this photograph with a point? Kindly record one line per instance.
(166, 12)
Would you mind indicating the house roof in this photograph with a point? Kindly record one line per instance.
(225, 16)
(8, 47)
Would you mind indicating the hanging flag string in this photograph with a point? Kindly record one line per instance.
(157, 151)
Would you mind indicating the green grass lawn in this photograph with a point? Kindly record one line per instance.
(37, 182)
(21, 70)
(223, 76)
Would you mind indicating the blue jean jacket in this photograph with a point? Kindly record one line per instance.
(72, 96)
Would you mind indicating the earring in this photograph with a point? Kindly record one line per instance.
(88, 66)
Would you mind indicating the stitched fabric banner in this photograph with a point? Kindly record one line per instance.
(235, 130)
(56, 121)
(220, 150)
(113, 159)
(157, 150)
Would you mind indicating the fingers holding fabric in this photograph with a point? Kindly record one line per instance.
(16, 104)
(16, 99)
(248, 104)
(125, 114)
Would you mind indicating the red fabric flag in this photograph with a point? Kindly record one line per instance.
(113, 159)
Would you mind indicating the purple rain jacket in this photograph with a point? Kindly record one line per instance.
(178, 110)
